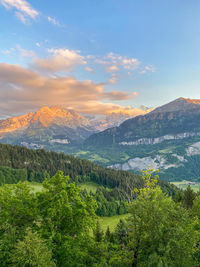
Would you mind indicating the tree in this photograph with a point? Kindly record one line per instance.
(32, 252)
(18, 211)
(121, 232)
(66, 217)
(108, 234)
(98, 232)
(161, 231)
(189, 196)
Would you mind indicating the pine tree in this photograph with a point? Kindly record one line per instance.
(98, 233)
(189, 196)
(108, 234)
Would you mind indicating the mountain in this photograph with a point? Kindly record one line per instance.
(45, 127)
(114, 119)
(167, 138)
(181, 115)
(56, 128)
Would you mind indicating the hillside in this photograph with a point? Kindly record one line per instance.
(168, 138)
(36, 165)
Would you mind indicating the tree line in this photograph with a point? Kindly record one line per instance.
(20, 164)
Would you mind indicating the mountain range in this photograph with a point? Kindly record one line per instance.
(166, 138)
(55, 127)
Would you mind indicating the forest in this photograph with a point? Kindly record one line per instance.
(22, 164)
(59, 227)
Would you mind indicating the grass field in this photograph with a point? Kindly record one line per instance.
(90, 187)
(111, 221)
(184, 184)
(37, 187)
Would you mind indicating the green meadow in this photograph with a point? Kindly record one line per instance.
(184, 184)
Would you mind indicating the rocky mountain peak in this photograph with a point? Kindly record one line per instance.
(44, 117)
(180, 104)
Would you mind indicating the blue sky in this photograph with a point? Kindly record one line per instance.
(131, 53)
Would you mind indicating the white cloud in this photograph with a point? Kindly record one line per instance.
(8, 52)
(130, 63)
(113, 79)
(54, 21)
(114, 62)
(112, 68)
(89, 69)
(147, 69)
(23, 9)
(25, 53)
(21, 17)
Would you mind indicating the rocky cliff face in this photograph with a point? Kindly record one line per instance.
(157, 140)
(155, 163)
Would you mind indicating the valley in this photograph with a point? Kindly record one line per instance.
(167, 138)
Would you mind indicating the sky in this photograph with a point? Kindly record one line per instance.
(98, 57)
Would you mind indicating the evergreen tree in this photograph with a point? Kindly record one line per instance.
(189, 196)
(98, 232)
(108, 234)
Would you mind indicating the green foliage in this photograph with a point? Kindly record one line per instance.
(98, 233)
(53, 227)
(108, 234)
(188, 198)
(31, 252)
(112, 188)
(12, 176)
(161, 232)
(59, 215)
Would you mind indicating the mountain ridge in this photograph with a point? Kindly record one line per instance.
(167, 119)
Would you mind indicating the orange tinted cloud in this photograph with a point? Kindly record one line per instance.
(23, 90)
(60, 60)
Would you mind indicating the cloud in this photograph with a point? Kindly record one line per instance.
(89, 69)
(23, 10)
(24, 90)
(114, 63)
(130, 64)
(147, 69)
(99, 108)
(112, 68)
(59, 60)
(25, 53)
(21, 17)
(8, 52)
(113, 78)
(54, 21)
